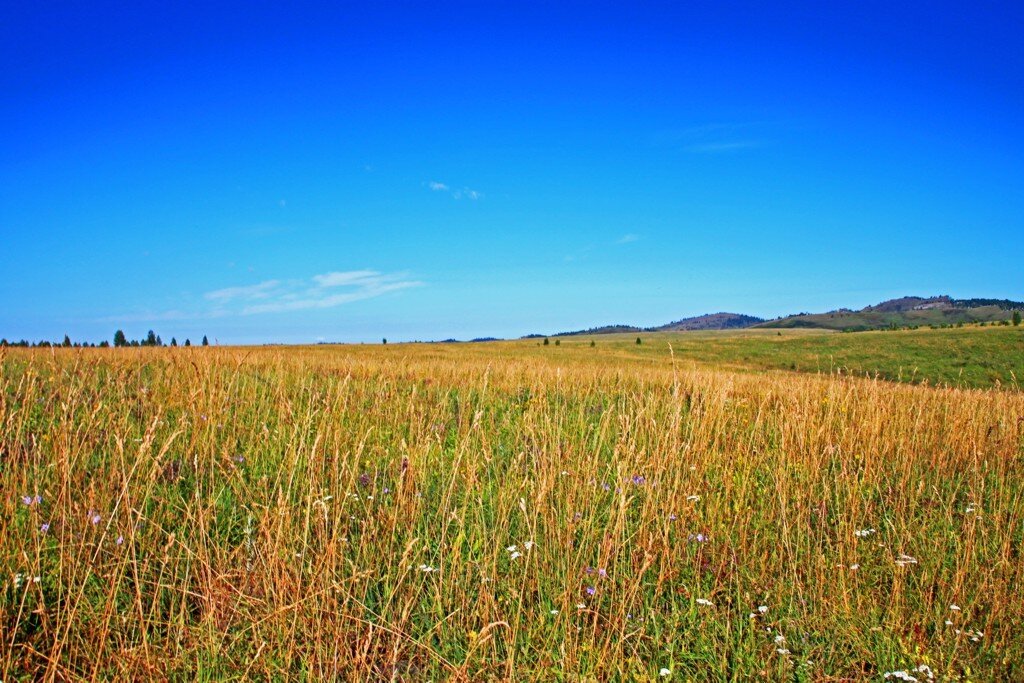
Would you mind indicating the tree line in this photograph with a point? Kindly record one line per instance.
(120, 341)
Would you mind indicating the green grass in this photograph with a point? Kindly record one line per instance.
(969, 357)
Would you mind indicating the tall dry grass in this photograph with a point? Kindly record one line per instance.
(351, 512)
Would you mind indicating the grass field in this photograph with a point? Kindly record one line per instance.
(514, 511)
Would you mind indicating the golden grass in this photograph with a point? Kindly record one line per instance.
(347, 512)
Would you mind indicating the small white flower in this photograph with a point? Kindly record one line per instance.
(581, 606)
(664, 673)
(528, 545)
(511, 548)
(554, 611)
(763, 609)
(864, 533)
(515, 555)
(955, 608)
(779, 638)
(854, 567)
(706, 603)
(693, 499)
(782, 651)
(904, 560)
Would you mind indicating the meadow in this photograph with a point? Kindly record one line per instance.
(718, 510)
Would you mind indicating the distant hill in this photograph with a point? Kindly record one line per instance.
(710, 321)
(604, 329)
(905, 311)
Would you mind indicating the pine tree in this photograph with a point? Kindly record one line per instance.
(206, 342)
(67, 341)
(174, 342)
(119, 339)
(187, 342)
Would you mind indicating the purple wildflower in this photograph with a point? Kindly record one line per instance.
(672, 517)
(44, 527)
(606, 487)
(591, 590)
(120, 540)
(27, 500)
(602, 573)
(638, 480)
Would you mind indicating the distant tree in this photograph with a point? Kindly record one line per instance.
(3, 342)
(593, 343)
(546, 341)
(174, 342)
(206, 342)
(150, 339)
(104, 344)
(385, 340)
(67, 341)
(135, 343)
(558, 342)
(159, 341)
(638, 342)
(119, 339)
(187, 342)
(1016, 318)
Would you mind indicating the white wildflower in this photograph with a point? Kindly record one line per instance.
(664, 673)
(706, 603)
(763, 609)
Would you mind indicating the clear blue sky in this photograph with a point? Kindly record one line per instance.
(293, 172)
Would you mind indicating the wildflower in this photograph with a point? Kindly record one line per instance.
(564, 473)
(426, 569)
(529, 545)
(664, 673)
(606, 487)
(672, 517)
(638, 480)
(705, 603)
(44, 527)
(779, 638)
(692, 499)
(699, 538)
(603, 573)
(581, 606)
(511, 548)
(120, 540)
(94, 517)
(591, 590)
(515, 555)
(763, 609)
(782, 651)
(554, 612)
(904, 560)
(855, 567)
(864, 533)
(955, 608)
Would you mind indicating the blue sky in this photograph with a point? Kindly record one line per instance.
(276, 172)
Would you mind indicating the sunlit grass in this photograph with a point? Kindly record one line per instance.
(503, 512)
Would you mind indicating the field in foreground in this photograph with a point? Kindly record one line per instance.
(499, 512)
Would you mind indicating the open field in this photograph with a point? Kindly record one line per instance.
(513, 511)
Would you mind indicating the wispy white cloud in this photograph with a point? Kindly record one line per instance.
(326, 290)
(456, 193)
(720, 147)
(257, 291)
(323, 291)
(717, 138)
(627, 238)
